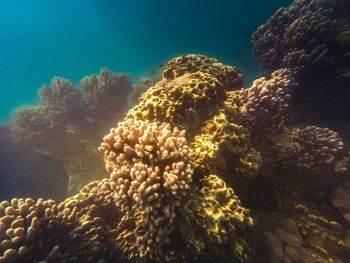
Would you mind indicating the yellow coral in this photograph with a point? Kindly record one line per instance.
(229, 76)
(326, 237)
(223, 142)
(218, 212)
(185, 101)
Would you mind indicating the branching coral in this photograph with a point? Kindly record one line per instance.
(20, 223)
(43, 231)
(106, 96)
(150, 172)
(267, 102)
(315, 149)
(61, 102)
(297, 37)
(191, 125)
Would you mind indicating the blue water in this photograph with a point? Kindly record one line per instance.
(40, 39)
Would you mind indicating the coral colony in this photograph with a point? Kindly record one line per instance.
(202, 169)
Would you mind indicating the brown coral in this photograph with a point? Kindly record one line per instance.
(315, 148)
(286, 244)
(220, 138)
(297, 37)
(267, 102)
(340, 198)
(21, 222)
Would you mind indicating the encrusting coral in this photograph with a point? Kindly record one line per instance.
(224, 135)
(186, 100)
(218, 213)
(229, 76)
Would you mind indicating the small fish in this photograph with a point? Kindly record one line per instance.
(71, 129)
(246, 31)
(240, 54)
(153, 72)
(89, 119)
(160, 65)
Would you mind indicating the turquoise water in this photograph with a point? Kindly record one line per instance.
(42, 39)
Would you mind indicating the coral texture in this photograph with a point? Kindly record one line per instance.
(106, 95)
(229, 76)
(75, 117)
(218, 212)
(189, 181)
(340, 198)
(44, 231)
(151, 172)
(220, 137)
(315, 148)
(267, 102)
(296, 37)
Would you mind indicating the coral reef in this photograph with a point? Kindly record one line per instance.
(340, 199)
(186, 172)
(200, 170)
